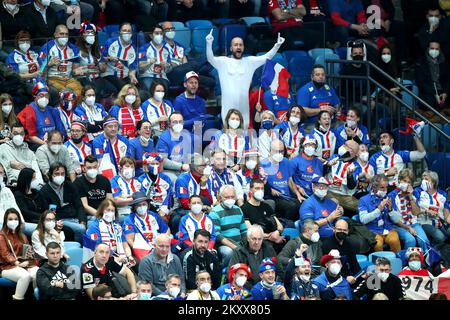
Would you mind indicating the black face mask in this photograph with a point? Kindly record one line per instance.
(341, 236)
(77, 141)
(358, 58)
(318, 85)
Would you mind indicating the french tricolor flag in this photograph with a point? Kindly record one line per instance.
(275, 77)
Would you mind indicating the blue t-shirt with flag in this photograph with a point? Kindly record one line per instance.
(316, 209)
(277, 176)
(305, 170)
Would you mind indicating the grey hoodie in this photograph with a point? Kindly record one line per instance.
(156, 271)
(10, 152)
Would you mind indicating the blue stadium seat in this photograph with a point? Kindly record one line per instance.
(76, 256)
(396, 264)
(102, 38)
(431, 138)
(230, 31)
(111, 29)
(386, 254)
(300, 70)
(330, 68)
(439, 163)
(406, 97)
(198, 39)
(221, 21)
(361, 259)
(356, 218)
(444, 142)
(289, 54)
(341, 52)
(177, 24)
(252, 20)
(36, 293)
(314, 53)
(140, 39)
(71, 244)
(298, 225)
(7, 283)
(206, 24)
(385, 123)
(183, 37)
(401, 256)
(291, 232)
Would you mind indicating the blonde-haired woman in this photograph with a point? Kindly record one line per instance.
(127, 110)
(7, 117)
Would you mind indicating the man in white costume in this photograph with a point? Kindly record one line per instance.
(236, 73)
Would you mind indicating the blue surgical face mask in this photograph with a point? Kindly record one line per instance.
(414, 265)
(267, 124)
(145, 296)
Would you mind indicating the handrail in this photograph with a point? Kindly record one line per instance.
(394, 81)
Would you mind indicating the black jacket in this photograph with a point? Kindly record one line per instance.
(48, 274)
(392, 288)
(350, 265)
(36, 25)
(193, 263)
(73, 208)
(11, 25)
(31, 205)
(423, 77)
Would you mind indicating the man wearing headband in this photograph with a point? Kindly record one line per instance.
(78, 149)
(109, 147)
(37, 118)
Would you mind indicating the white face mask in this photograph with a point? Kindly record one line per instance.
(158, 39)
(294, 120)
(196, 208)
(90, 101)
(234, 124)
(159, 96)
(24, 46)
(364, 156)
(130, 98)
(334, 268)
(385, 148)
(351, 124)
(174, 291)
(50, 225)
(383, 276)
(434, 53)
(142, 210)
(205, 287)
(433, 21)
(241, 280)
(42, 102)
(341, 151)
(177, 128)
(12, 224)
(250, 164)
(386, 58)
(128, 173)
(17, 140)
(55, 148)
(35, 184)
(315, 237)
(229, 203)
(62, 41)
(11, 7)
(59, 180)
(278, 157)
(207, 171)
(259, 195)
(45, 3)
(425, 185)
(403, 186)
(91, 173)
(381, 194)
(90, 39)
(126, 37)
(321, 193)
(309, 151)
(109, 216)
(170, 35)
(305, 278)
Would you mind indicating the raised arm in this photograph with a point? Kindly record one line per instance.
(209, 52)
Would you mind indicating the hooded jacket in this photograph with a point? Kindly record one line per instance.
(47, 274)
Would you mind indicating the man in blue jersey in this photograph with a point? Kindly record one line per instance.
(305, 166)
(277, 172)
(316, 96)
(190, 104)
(320, 208)
(390, 162)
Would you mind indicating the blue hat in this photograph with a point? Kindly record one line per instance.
(267, 264)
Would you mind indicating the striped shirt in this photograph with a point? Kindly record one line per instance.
(228, 223)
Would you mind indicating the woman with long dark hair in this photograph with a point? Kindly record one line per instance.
(16, 264)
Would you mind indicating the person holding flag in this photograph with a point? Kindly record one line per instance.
(236, 73)
(110, 147)
(142, 226)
